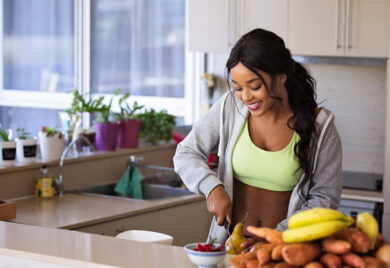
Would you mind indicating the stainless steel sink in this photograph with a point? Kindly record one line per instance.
(149, 190)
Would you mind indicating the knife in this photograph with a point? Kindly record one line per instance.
(227, 226)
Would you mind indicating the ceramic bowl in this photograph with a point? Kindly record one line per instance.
(146, 236)
(205, 259)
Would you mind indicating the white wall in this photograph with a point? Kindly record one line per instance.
(356, 95)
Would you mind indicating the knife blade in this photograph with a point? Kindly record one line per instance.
(227, 227)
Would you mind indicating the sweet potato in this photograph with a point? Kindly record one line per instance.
(276, 253)
(283, 265)
(380, 240)
(263, 254)
(331, 260)
(237, 261)
(252, 263)
(249, 255)
(353, 260)
(360, 243)
(300, 254)
(336, 246)
(313, 264)
(372, 262)
(271, 235)
(268, 265)
(257, 246)
(383, 254)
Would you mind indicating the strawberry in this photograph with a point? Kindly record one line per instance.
(200, 247)
(221, 247)
(207, 247)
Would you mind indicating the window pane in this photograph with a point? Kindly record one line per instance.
(30, 119)
(38, 45)
(138, 46)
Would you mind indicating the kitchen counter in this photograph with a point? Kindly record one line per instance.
(362, 195)
(75, 249)
(77, 210)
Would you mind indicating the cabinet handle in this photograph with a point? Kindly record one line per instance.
(228, 9)
(239, 20)
(348, 32)
(337, 24)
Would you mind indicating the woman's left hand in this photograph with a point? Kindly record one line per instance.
(250, 243)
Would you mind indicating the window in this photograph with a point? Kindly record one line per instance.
(138, 46)
(48, 48)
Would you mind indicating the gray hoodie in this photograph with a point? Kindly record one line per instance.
(219, 129)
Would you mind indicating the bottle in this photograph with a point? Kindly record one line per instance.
(44, 184)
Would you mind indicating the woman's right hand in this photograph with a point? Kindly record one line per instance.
(219, 204)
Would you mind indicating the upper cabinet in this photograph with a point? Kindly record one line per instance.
(209, 25)
(215, 26)
(267, 14)
(356, 28)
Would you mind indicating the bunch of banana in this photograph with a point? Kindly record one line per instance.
(368, 224)
(315, 223)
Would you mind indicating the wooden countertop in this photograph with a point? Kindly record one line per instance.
(78, 210)
(65, 248)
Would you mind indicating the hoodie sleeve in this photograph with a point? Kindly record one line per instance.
(326, 188)
(191, 157)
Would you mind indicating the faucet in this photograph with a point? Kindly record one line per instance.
(60, 181)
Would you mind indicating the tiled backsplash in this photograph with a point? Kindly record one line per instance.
(356, 95)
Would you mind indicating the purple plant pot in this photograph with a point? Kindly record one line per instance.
(128, 133)
(106, 136)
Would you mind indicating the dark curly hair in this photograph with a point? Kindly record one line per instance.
(263, 50)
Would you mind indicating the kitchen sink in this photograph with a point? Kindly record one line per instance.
(150, 191)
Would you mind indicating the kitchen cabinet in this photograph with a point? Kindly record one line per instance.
(186, 223)
(356, 28)
(215, 26)
(267, 14)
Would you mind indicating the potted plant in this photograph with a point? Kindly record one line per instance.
(129, 125)
(52, 142)
(26, 146)
(106, 127)
(7, 148)
(156, 126)
(78, 107)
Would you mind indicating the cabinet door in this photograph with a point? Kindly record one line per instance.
(212, 25)
(267, 14)
(146, 221)
(316, 27)
(367, 28)
(187, 223)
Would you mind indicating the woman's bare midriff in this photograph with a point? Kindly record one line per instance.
(258, 207)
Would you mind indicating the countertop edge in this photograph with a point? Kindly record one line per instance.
(170, 202)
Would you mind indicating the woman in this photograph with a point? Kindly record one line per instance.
(278, 152)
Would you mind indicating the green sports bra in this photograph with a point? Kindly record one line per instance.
(276, 171)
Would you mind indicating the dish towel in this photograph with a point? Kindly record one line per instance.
(130, 183)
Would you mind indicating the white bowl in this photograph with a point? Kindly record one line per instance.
(146, 236)
(205, 259)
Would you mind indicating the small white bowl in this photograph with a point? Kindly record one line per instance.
(146, 236)
(205, 259)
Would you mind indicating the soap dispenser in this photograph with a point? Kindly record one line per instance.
(44, 184)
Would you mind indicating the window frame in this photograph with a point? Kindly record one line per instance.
(181, 107)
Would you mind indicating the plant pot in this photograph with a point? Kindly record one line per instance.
(51, 146)
(106, 136)
(128, 133)
(7, 153)
(26, 150)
